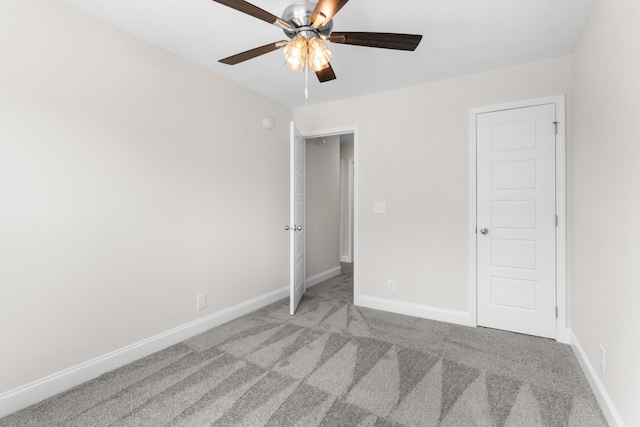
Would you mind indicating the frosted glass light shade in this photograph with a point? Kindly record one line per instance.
(319, 54)
(301, 52)
(296, 52)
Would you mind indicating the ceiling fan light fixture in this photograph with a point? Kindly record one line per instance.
(303, 52)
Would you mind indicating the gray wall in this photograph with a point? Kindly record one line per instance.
(323, 205)
(606, 200)
(413, 153)
(130, 181)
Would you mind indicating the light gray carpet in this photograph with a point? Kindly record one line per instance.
(333, 364)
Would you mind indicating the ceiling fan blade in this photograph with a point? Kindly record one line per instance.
(383, 40)
(326, 74)
(250, 54)
(255, 11)
(326, 9)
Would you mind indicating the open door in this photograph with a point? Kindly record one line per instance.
(297, 260)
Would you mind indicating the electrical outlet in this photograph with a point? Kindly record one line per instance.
(602, 359)
(201, 301)
(391, 285)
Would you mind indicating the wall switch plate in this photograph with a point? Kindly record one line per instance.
(379, 207)
(391, 285)
(201, 301)
(602, 358)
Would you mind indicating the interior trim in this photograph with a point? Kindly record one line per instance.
(417, 310)
(325, 275)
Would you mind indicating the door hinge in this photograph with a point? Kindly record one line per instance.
(556, 312)
(556, 125)
(556, 220)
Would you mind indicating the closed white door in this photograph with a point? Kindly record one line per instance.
(516, 220)
(297, 261)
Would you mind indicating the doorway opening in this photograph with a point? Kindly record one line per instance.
(331, 204)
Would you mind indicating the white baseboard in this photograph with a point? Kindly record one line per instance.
(563, 335)
(325, 275)
(345, 258)
(39, 390)
(416, 310)
(609, 411)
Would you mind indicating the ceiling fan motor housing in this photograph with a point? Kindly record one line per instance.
(299, 16)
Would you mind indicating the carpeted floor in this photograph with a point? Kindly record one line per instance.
(333, 364)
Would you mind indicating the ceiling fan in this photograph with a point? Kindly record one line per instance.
(308, 25)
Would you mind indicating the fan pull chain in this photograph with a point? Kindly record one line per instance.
(306, 82)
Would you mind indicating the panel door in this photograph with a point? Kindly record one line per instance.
(516, 220)
(297, 260)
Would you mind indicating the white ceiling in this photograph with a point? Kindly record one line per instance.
(460, 37)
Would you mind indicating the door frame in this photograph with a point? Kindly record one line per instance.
(562, 334)
(346, 180)
(335, 132)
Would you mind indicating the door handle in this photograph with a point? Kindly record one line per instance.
(484, 230)
(292, 228)
(297, 227)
